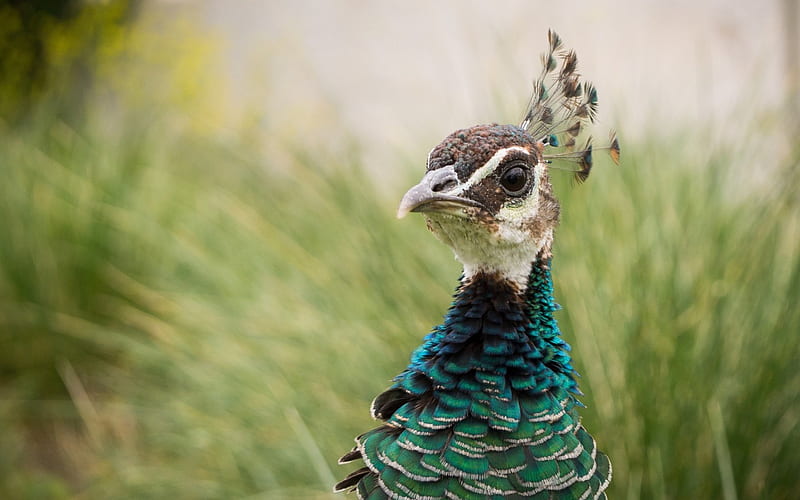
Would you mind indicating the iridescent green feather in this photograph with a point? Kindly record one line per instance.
(462, 431)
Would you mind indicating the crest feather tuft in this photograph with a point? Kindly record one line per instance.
(560, 107)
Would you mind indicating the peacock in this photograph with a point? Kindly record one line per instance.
(487, 407)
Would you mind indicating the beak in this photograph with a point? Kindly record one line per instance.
(429, 196)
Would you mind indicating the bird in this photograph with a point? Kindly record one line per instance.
(488, 405)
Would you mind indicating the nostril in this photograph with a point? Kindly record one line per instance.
(445, 185)
(442, 179)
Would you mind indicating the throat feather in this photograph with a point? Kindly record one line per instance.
(496, 335)
(487, 402)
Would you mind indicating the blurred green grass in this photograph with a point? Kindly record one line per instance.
(180, 317)
(195, 316)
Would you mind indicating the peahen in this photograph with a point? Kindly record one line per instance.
(487, 407)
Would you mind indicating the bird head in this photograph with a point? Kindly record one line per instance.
(486, 193)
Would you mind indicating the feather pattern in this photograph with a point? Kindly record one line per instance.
(486, 409)
(559, 109)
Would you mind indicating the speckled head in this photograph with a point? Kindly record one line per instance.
(487, 194)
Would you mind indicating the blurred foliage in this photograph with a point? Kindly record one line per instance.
(51, 48)
(184, 316)
(221, 331)
(139, 73)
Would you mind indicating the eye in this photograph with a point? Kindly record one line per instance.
(515, 180)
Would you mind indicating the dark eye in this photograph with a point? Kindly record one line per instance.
(515, 180)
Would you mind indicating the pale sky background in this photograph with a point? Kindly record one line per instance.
(401, 75)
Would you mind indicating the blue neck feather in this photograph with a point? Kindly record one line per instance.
(486, 408)
(494, 327)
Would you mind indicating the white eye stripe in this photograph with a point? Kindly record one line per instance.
(486, 169)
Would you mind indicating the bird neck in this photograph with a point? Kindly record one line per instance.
(495, 325)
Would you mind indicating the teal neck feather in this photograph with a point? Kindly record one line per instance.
(493, 326)
(485, 409)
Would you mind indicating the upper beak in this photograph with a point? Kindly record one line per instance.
(429, 195)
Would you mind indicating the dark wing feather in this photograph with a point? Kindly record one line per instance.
(350, 456)
(351, 481)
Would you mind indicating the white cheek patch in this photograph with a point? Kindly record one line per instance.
(486, 169)
(529, 206)
(509, 250)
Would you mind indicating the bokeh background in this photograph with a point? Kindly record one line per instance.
(202, 283)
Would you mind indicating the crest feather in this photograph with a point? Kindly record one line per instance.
(560, 108)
